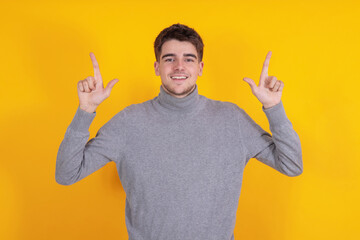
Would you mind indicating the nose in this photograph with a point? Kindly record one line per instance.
(178, 66)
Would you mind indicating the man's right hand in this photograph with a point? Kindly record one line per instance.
(91, 90)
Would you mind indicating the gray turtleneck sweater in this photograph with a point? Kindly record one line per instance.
(180, 161)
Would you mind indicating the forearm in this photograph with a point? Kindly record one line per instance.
(285, 153)
(70, 166)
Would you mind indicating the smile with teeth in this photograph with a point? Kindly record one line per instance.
(179, 77)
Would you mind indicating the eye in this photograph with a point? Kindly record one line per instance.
(169, 60)
(189, 60)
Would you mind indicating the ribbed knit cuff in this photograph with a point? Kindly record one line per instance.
(276, 115)
(82, 120)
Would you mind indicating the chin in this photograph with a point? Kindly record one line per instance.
(183, 90)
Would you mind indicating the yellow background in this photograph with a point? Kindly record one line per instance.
(45, 48)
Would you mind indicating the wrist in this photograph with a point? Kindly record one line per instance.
(270, 105)
(89, 109)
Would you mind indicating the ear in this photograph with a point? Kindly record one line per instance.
(156, 67)
(201, 66)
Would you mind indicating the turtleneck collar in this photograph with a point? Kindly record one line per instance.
(181, 105)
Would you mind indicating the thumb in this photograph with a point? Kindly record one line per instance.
(250, 82)
(110, 85)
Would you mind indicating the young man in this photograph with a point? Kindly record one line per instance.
(180, 156)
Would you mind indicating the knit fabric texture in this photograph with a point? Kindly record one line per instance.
(180, 161)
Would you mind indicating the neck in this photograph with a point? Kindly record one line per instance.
(178, 95)
(169, 102)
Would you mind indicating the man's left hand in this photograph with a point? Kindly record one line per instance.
(270, 89)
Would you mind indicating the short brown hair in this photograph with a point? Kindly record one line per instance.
(179, 32)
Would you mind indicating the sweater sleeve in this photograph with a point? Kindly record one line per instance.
(77, 157)
(282, 150)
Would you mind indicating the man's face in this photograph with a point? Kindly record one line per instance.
(178, 67)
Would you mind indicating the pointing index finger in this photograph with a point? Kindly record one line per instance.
(97, 74)
(264, 72)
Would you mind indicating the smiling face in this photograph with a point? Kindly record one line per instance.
(178, 67)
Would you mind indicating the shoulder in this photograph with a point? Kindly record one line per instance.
(124, 117)
(222, 107)
(133, 111)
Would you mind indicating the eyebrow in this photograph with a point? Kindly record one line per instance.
(173, 55)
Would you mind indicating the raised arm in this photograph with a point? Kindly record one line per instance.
(282, 150)
(77, 157)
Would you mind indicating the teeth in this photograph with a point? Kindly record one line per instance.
(178, 77)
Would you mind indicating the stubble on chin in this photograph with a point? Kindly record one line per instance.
(184, 93)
